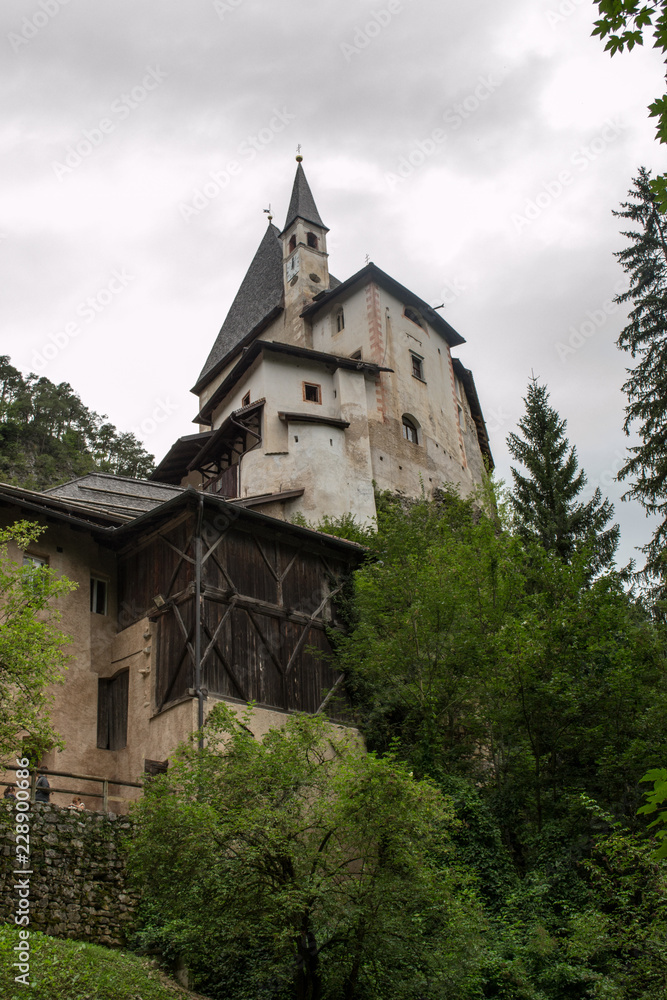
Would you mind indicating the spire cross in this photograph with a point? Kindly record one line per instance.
(268, 212)
(368, 258)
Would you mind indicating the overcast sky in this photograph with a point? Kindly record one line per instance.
(474, 151)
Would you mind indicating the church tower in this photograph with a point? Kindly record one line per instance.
(304, 240)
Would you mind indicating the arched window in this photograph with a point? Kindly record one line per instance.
(413, 316)
(292, 243)
(340, 321)
(312, 240)
(410, 432)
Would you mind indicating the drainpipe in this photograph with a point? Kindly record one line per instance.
(198, 616)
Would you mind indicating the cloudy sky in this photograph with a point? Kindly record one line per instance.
(474, 151)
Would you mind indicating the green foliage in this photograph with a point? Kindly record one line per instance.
(346, 526)
(474, 654)
(47, 435)
(32, 654)
(645, 338)
(623, 24)
(72, 970)
(301, 866)
(656, 802)
(545, 501)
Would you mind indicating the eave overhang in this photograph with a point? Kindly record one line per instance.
(465, 376)
(76, 516)
(193, 499)
(331, 361)
(373, 273)
(238, 420)
(182, 451)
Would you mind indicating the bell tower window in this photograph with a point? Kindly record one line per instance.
(292, 243)
(312, 240)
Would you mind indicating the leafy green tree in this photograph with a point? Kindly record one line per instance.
(472, 653)
(623, 24)
(645, 339)
(47, 435)
(32, 654)
(545, 500)
(656, 802)
(300, 866)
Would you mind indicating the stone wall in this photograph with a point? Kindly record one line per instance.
(78, 886)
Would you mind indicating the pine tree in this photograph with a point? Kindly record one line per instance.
(645, 338)
(545, 501)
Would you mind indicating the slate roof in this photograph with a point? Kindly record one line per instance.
(259, 299)
(118, 496)
(302, 204)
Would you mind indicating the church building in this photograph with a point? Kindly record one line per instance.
(315, 389)
(196, 585)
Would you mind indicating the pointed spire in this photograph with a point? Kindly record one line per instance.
(302, 204)
(260, 295)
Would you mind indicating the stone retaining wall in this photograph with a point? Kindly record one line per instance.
(78, 886)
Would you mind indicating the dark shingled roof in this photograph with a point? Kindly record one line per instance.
(302, 204)
(119, 496)
(259, 297)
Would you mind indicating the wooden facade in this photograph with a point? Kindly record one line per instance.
(266, 604)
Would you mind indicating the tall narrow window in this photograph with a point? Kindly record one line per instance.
(246, 400)
(112, 711)
(292, 243)
(340, 321)
(410, 432)
(417, 366)
(98, 595)
(312, 240)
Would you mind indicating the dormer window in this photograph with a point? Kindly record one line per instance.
(340, 321)
(292, 243)
(312, 240)
(413, 316)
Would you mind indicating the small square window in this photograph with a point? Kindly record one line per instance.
(417, 366)
(312, 393)
(98, 595)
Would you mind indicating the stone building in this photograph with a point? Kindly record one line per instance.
(317, 388)
(195, 586)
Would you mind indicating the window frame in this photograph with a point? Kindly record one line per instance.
(34, 560)
(94, 581)
(419, 321)
(417, 366)
(409, 427)
(318, 389)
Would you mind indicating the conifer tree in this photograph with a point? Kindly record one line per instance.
(545, 501)
(645, 338)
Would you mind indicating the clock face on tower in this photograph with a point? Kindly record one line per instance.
(292, 267)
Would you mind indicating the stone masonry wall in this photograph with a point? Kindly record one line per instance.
(78, 886)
